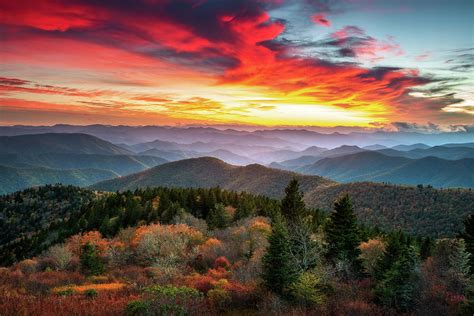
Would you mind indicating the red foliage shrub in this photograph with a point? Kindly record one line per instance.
(202, 283)
(222, 262)
(112, 303)
(218, 273)
(43, 281)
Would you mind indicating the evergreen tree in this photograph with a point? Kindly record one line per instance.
(218, 217)
(91, 264)
(426, 248)
(246, 208)
(398, 287)
(342, 235)
(458, 272)
(278, 267)
(468, 236)
(391, 254)
(292, 205)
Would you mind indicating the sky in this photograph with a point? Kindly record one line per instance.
(362, 63)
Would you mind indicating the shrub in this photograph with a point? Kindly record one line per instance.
(171, 300)
(28, 266)
(90, 293)
(137, 308)
(219, 298)
(222, 262)
(65, 292)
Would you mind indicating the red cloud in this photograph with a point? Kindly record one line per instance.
(171, 41)
(321, 20)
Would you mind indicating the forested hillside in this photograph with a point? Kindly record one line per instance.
(36, 218)
(419, 211)
(59, 143)
(208, 172)
(17, 178)
(165, 251)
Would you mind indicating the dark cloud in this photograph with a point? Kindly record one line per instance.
(429, 127)
(13, 81)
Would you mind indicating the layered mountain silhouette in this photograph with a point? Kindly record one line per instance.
(377, 167)
(78, 159)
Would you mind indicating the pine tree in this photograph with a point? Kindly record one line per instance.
(91, 264)
(343, 236)
(458, 272)
(391, 254)
(278, 268)
(468, 236)
(398, 287)
(292, 205)
(218, 217)
(426, 248)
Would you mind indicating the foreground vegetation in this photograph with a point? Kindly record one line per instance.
(209, 251)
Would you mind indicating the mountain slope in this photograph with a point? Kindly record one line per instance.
(120, 164)
(58, 143)
(211, 172)
(14, 179)
(373, 166)
(421, 210)
(443, 152)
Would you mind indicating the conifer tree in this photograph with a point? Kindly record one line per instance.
(91, 264)
(278, 268)
(468, 236)
(398, 287)
(343, 236)
(458, 272)
(292, 205)
(218, 217)
(391, 254)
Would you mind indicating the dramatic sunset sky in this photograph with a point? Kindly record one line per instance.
(303, 62)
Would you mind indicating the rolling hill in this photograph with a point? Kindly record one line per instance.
(416, 210)
(59, 143)
(374, 166)
(14, 179)
(207, 172)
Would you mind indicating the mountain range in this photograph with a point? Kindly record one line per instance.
(377, 167)
(296, 139)
(77, 159)
(70, 157)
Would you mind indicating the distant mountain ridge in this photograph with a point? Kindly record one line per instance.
(14, 179)
(376, 167)
(59, 143)
(77, 159)
(119, 164)
(282, 138)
